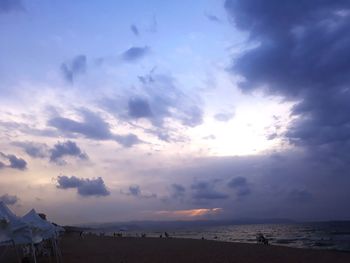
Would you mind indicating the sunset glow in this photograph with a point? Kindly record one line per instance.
(152, 110)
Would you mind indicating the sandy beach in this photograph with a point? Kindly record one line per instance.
(96, 249)
(91, 249)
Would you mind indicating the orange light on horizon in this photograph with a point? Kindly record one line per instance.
(190, 212)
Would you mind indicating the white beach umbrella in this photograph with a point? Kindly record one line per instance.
(41, 228)
(12, 228)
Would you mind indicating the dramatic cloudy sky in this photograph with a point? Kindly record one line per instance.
(208, 109)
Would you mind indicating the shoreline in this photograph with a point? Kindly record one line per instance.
(229, 242)
(272, 243)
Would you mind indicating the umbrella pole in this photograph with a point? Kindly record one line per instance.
(59, 253)
(54, 249)
(50, 254)
(17, 255)
(34, 256)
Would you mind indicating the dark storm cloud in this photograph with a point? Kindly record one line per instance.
(92, 126)
(12, 162)
(93, 187)
(74, 67)
(223, 116)
(65, 182)
(9, 199)
(128, 140)
(17, 163)
(205, 190)
(240, 184)
(84, 186)
(55, 153)
(135, 53)
(302, 52)
(158, 100)
(272, 186)
(35, 150)
(7, 6)
(135, 190)
(178, 191)
(139, 108)
(134, 30)
(67, 148)
(192, 116)
(243, 191)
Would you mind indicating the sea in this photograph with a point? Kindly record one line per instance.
(320, 235)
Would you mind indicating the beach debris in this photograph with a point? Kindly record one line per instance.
(260, 239)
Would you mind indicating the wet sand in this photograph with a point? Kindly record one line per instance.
(94, 249)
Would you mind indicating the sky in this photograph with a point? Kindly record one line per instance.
(175, 110)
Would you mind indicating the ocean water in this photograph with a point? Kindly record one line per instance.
(325, 235)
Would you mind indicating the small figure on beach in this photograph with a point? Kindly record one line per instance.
(143, 235)
(160, 236)
(166, 234)
(261, 239)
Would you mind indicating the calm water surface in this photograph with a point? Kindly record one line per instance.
(327, 235)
